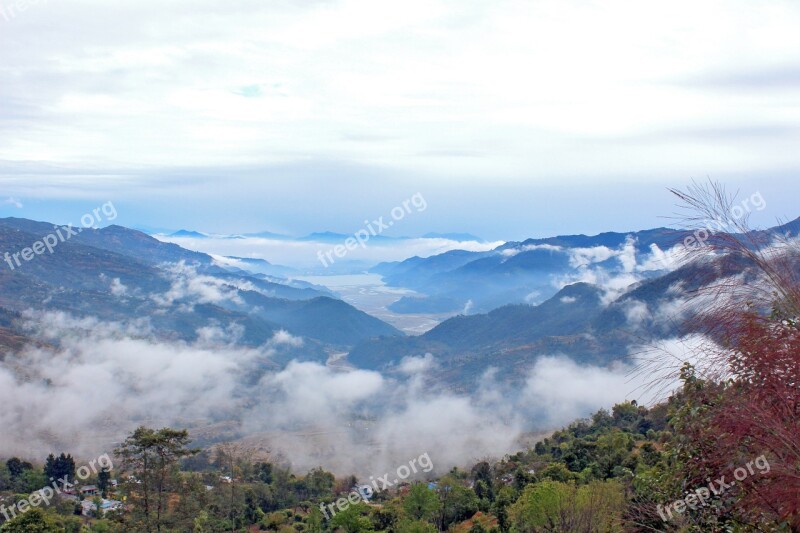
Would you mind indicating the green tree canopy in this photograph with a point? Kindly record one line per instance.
(34, 521)
(421, 503)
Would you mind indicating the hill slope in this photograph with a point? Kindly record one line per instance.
(121, 274)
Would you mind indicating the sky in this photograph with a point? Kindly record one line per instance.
(513, 119)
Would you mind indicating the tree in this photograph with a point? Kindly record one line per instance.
(421, 503)
(149, 454)
(30, 480)
(61, 467)
(264, 472)
(97, 501)
(505, 498)
(232, 456)
(314, 521)
(522, 478)
(319, 484)
(540, 505)
(101, 526)
(354, 519)
(34, 521)
(16, 467)
(416, 526)
(282, 486)
(484, 495)
(194, 499)
(558, 472)
(103, 481)
(482, 472)
(458, 502)
(385, 518)
(556, 506)
(649, 455)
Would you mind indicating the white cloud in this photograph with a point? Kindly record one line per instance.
(104, 379)
(663, 260)
(118, 288)
(614, 284)
(511, 252)
(633, 268)
(284, 337)
(562, 390)
(636, 312)
(627, 256)
(417, 365)
(581, 257)
(189, 287)
(481, 89)
(13, 201)
(215, 335)
(533, 297)
(467, 307)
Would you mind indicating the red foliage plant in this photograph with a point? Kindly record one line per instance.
(753, 360)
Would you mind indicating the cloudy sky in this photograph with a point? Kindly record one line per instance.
(513, 119)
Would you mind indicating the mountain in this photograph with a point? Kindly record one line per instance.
(116, 239)
(189, 233)
(415, 268)
(192, 234)
(265, 269)
(327, 319)
(121, 275)
(589, 324)
(508, 338)
(664, 238)
(288, 290)
(516, 272)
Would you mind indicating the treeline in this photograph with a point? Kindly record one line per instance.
(607, 473)
(20, 479)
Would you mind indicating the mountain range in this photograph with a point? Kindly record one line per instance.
(533, 270)
(121, 275)
(318, 236)
(594, 297)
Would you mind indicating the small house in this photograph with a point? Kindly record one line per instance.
(90, 491)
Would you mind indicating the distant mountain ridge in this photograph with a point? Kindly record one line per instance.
(188, 233)
(664, 238)
(317, 236)
(120, 274)
(516, 272)
(577, 322)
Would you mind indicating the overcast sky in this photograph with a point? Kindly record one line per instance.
(513, 119)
